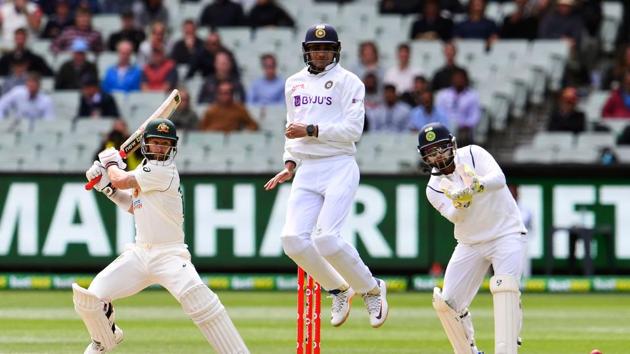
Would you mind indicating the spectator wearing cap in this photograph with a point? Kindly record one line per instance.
(82, 29)
(565, 117)
(267, 13)
(222, 13)
(390, 116)
(123, 76)
(461, 105)
(476, 25)
(618, 103)
(160, 73)
(19, 73)
(22, 53)
(226, 115)
(147, 12)
(369, 61)
(93, 102)
(442, 77)
(431, 24)
(184, 49)
(401, 75)
(128, 32)
(18, 14)
(27, 102)
(520, 24)
(69, 75)
(269, 89)
(185, 117)
(426, 113)
(61, 20)
(222, 72)
(203, 60)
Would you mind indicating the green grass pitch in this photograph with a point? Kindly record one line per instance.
(45, 322)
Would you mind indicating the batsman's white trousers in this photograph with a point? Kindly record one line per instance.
(470, 263)
(142, 265)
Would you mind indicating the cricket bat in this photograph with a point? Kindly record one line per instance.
(165, 110)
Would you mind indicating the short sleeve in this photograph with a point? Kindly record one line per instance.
(154, 178)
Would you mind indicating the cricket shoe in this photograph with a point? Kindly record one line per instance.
(97, 348)
(340, 308)
(377, 305)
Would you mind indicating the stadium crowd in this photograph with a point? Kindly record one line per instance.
(399, 98)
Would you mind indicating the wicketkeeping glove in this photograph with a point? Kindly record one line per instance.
(461, 197)
(470, 177)
(110, 157)
(104, 185)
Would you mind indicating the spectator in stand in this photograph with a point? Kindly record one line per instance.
(123, 76)
(222, 13)
(269, 89)
(623, 31)
(59, 21)
(69, 75)
(562, 23)
(184, 49)
(157, 39)
(160, 73)
(116, 7)
(519, 24)
(426, 113)
(267, 13)
(27, 102)
(225, 114)
(402, 74)
(18, 76)
(22, 53)
(614, 75)
(147, 12)
(592, 15)
(461, 105)
(392, 115)
(431, 24)
(442, 77)
(93, 102)
(476, 25)
(118, 135)
(618, 103)
(565, 117)
(128, 32)
(373, 94)
(203, 60)
(400, 7)
(81, 29)
(222, 72)
(414, 97)
(368, 61)
(185, 117)
(18, 14)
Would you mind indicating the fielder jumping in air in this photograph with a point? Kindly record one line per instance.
(468, 188)
(325, 116)
(159, 256)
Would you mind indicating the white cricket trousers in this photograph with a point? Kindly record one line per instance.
(470, 263)
(141, 265)
(322, 194)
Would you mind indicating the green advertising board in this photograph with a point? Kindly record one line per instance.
(50, 223)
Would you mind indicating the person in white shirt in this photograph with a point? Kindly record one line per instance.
(153, 195)
(325, 116)
(468, 188)
(402, 74)
(27, 102)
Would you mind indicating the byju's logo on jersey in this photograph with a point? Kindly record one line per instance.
(299, 100)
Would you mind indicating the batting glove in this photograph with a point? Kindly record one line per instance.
(110, 157)
(104, 185)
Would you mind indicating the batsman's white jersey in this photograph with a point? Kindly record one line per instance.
(492, 214)
(334, 102)
(158, 207)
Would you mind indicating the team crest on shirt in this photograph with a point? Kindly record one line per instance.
(328, 84)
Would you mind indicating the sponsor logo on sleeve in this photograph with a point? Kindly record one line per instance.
(357, 100)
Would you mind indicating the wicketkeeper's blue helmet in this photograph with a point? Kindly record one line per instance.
(321, 34)
(436, 146)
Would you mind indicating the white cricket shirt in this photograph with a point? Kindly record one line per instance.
(332, 100)
(158, 207)
(492, 213)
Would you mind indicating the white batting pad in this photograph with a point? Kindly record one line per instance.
(459, 333)
(93, 313)
(506, 298)
(205, 309)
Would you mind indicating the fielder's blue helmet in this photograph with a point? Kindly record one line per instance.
(321, 34)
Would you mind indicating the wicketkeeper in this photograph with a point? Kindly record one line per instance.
(468, 188)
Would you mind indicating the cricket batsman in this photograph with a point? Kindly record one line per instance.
(468, 188)
(159, 255)
(325, 116)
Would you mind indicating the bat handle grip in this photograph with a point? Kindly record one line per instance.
(92, 182)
